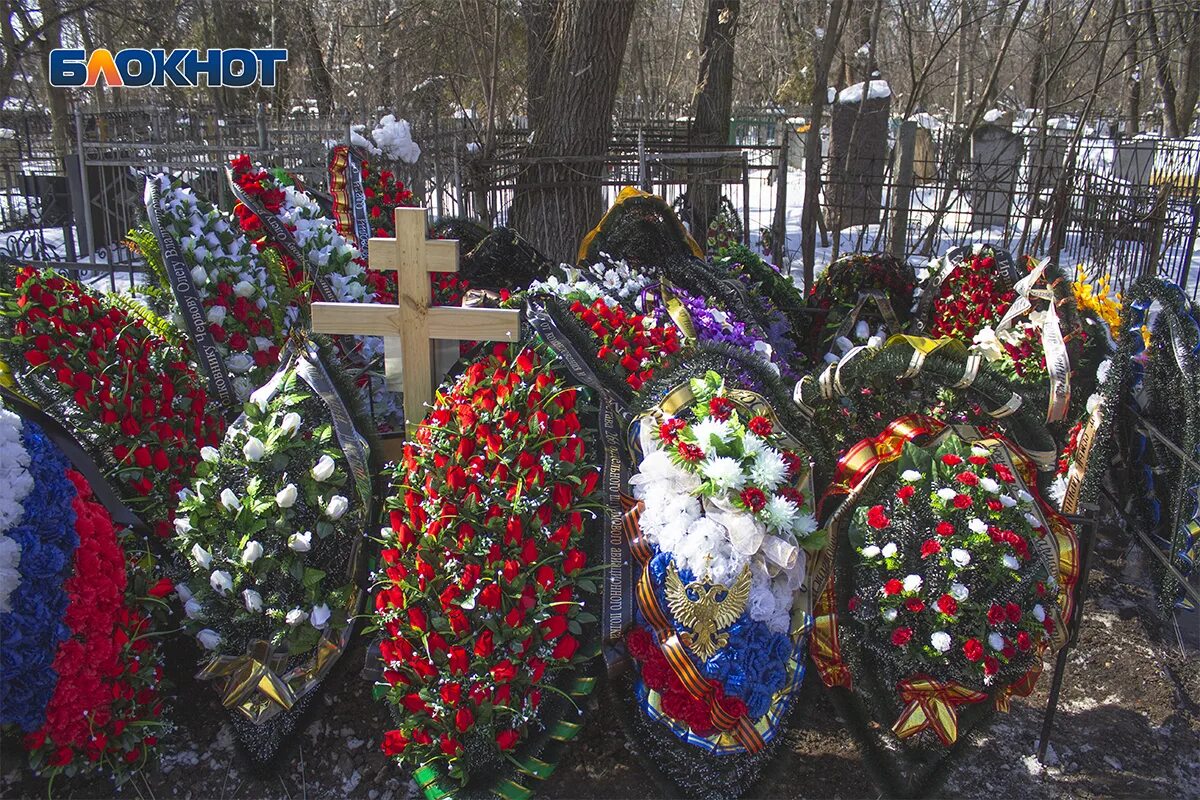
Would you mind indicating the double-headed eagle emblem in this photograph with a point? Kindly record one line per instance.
(714, 608)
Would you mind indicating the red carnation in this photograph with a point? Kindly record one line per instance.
(962, 501)
(690, 452)
(951, 460)
(1024, 641)
(915, 604)
(760, 426)
(972, 649)
(967, 478)
(990, 665)
(893, 587)
(930, 547)
(944, 529)
(996, 615)
(905, 493)
(901, 636)
(947, 605)
(1013, 612)
(877, 518)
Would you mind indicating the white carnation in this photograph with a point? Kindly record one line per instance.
(995, 641)
(912, 583)
(940, 640)
(960, 557)
(910, 476)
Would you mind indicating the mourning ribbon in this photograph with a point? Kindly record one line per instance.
(618, 579)
(195, 319)
(278, 233)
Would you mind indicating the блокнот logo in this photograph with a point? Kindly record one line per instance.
(236, 67)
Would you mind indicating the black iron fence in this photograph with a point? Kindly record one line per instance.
(1120, 209)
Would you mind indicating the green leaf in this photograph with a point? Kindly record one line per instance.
(312, 577)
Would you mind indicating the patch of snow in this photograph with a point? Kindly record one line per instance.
(394, 138)
(877, 90)
(992, 114)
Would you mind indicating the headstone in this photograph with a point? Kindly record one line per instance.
(924, 160)
(858, 155)
(1135, 161)
(995, 161)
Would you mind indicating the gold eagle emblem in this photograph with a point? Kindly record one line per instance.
(714, 608)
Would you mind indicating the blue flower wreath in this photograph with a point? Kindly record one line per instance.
(31, 632)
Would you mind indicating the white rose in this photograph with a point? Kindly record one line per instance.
(291, 423)
(209, 638)
(1033, 521)
(1039, 613)
(1007, 501)
(183, 592)
(912, 583)
(889, 550)
(192, 608)
(1011, 562)
(958, 591)
(253, 449)
(889, 615)
(251, 552)
(239, 362)
(286, 497)
(337, 507)
(243, 289)
(960, 557)
(910, 475)
(323, 469)
(262, 396)
(320, 616)
(202, 556)
(1025, 496)
(199, 275)
(870, 551)
(252, 600)
(295, 617)
(300, 542)
(995, 641)
(229, 501)
(221, 581)
(940, 641)
(216, 315)
(182, 525)
(210, 454)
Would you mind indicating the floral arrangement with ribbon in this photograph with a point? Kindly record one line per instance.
(483, 587)
(240, 300)
(81, 674)
(121, 381)
(271, 529)
(965, 291)
(953, 578)
(859, 296)
(719, 533)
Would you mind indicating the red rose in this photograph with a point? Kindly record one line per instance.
(161, 589)
(451, 693)
(416, 618)
(394, 743)
(504, 672)
(554, 627)
(901, 636)
(944, 529)
(574, 562)
(490, 596)
(459, 660)
(930, 547)
(962, 501)
(892, 587)
(905, 493)
(507, 739)
(972, 649)
(565, 648)
(464, 719)
(449, 745)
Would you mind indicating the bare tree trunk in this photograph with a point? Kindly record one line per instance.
(60, 112)
(712, 103)
(1132, 106)
(1162, 72)
(824, 51)
(318, 70)
(960, 64)
(558, 197)
(539, 47)
(1189, 89)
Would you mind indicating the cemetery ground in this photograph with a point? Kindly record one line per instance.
(1128, 725)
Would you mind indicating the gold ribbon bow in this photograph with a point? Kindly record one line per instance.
(931, 705)
(256, 671)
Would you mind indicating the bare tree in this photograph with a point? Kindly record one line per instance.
(711, 106)
(557, 197)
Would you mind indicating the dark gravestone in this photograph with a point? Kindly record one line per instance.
(857, 155)
(995, 161)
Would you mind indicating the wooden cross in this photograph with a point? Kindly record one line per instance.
(408, 327)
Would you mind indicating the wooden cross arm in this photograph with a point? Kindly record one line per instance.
(444, 322)
(441, 255)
